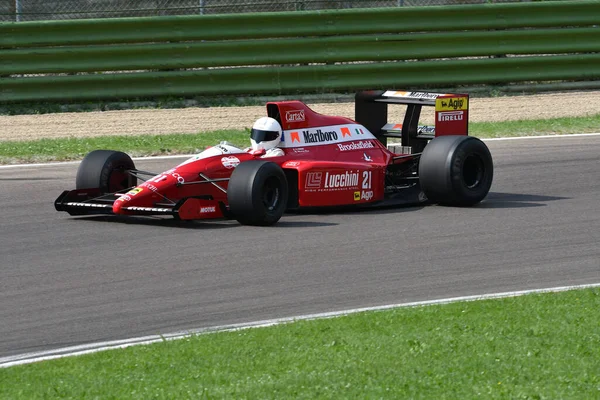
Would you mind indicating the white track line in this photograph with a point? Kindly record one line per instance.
(541, 137)
(121, 344)
(59, 163)
(54, 164)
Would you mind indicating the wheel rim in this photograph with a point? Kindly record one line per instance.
(118, 180)
(271, 194)
(473, 171)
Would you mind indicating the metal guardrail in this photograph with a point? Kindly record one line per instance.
(307, 52)
(334, 49)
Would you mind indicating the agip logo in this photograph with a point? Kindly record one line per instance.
(135, 191)
(452, 104)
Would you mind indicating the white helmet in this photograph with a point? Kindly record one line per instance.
(266, 134)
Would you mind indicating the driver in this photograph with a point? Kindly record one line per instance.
(265, 137)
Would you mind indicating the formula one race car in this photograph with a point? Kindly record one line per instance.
(318, 161)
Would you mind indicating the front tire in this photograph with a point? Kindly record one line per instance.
(257, 193)
(105, 170)
(456, 170)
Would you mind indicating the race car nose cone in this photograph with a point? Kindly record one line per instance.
(126, 200)
(119, 204)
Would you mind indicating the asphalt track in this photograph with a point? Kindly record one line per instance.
(66, 281)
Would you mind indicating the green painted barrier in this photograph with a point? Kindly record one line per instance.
(289, 53)
(298, 79)
(319, 23)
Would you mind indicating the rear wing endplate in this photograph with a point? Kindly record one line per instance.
(451, 115)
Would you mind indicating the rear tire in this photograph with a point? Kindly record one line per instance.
(456, 170)
(105, 170)
(257, 193)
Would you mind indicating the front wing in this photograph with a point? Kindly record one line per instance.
(92, 201)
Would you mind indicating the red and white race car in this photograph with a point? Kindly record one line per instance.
(321, 161)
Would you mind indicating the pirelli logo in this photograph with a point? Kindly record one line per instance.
(452, 104)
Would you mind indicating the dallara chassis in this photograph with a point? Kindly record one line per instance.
(321, 161)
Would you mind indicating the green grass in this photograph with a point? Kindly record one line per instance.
(76, 148)
(542, 346)
(556, 126)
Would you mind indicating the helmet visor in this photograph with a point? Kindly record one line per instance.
(263, 136)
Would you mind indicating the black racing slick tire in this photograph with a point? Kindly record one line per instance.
(105, 170)
(257, 193)
(456, 170)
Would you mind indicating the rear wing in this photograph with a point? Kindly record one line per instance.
(451, 115)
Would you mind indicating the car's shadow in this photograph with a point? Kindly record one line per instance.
(492, 201)
(286, 223)
(516, 200)
(168, 222)
(30, 179)
(352, 210)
